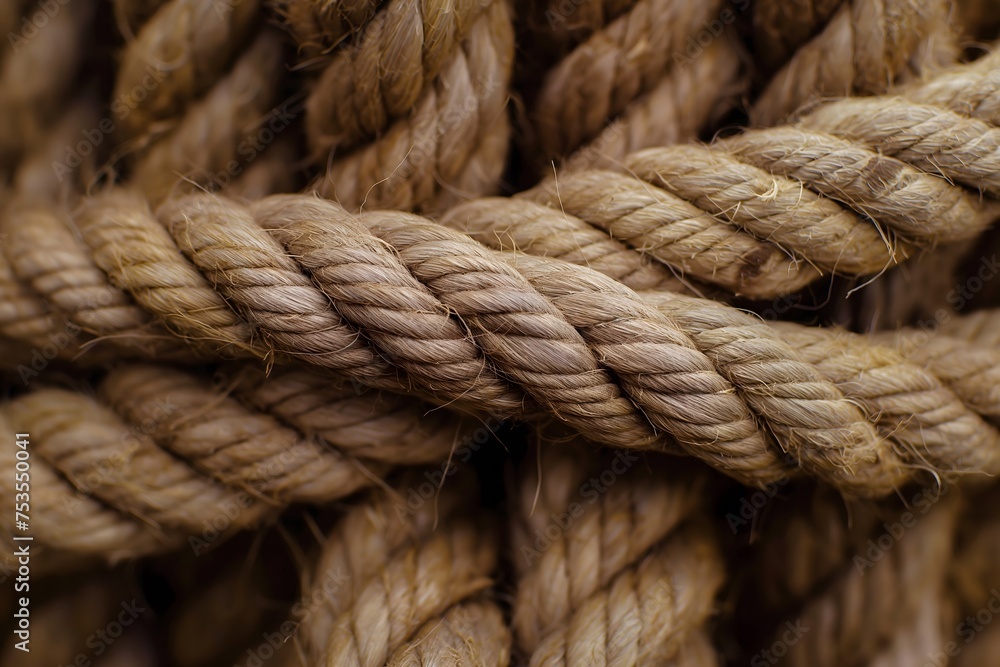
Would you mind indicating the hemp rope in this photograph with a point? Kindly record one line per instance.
(676, 108)
(38, 77)
(553, 329)
(171, 454)
(745, 211)
(207, 138)
(864, 606)
(414, 582)
(451, 146)
(561, 26)
(180, 53)
(631, 578)
(617, 64)
(318, 26)
(866, 46)
(844, 365)
(400, 52)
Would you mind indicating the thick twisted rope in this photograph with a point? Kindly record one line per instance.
(450, 147)
(411, 585)
(617, 64)
(766, 212)
(781, 27)
(609, 570)
(215, 132)
(164, 457)
(400, 53)
(621, 368)
(179, 53)
(673, 111)
(951, 381)
(866, 46)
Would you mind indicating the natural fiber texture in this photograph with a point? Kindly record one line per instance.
(866, 46)
(216, 131)
(38, 76)
(923, 436)
(164, 456)
(177, 56)
(626, 576)
(937, 141)
(271, 172)
(674, 111)
(451, 145)
(410, 584)
(614, 66)
(581, 346)
(319, 25)
(399, 54)
(559, 26)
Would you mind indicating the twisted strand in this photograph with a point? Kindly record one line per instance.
(972, 90)
(400, 53)
(45, 253)
(130, 15)
(164, 455)
(401, 572)
(210, 135)
(922, 419)
(626, 578)
(935, 140)
(182, 50)
(580, 345)
(613, 67)
(454, 143)
(673, 111)
(864, 48)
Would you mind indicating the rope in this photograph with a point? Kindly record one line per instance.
(450, 145)
(619, 572)
(179, 53)
(164, 457)
(865, 47)
(624, 369)
(411, 587)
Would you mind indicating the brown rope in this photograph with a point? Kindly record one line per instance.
(164, 457)
(452, 142)
(619, 367)
(610, 571)
(215, 132)
(617, 64)
(317, 26)
(410, 585)
(180, 52)
(866, 46)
